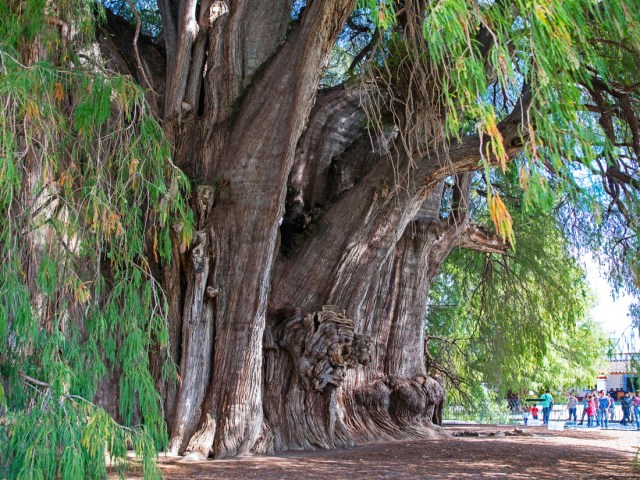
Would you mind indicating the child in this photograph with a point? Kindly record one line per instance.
(572, 404)
(591, 410)
(525, 415)
(534, 412)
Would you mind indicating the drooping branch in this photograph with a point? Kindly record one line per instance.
(143, 73)
(616, 105)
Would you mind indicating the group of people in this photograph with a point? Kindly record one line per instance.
(598, 407)
(601, 407)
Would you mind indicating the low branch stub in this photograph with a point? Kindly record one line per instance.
(217, 10)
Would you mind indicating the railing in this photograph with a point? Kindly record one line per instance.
(488, 414)
(500, 413)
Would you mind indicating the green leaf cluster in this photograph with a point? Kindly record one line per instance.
(481, 56)
(89, 198)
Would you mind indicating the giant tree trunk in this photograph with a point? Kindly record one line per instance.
(245, 162)
(343, 283)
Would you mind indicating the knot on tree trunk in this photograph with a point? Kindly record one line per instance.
(322, 345)
(204, 197)
(406, 401)
(199, 251)
(417, 399)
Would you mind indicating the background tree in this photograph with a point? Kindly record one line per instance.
(516, 322)
(301, 198)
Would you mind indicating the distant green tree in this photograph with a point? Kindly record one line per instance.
(519, 321)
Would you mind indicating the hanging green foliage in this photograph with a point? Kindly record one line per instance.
(477, 60)
(90, 197)
(517, 322)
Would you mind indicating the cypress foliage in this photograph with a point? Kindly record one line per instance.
(516, 322)
(558, 49)
(89, 193)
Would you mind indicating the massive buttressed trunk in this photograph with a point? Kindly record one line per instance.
(296, 314)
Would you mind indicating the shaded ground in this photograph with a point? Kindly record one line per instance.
(545, 455)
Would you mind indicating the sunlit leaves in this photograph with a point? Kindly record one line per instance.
(501, 217)
(67, 438)
(482, 55)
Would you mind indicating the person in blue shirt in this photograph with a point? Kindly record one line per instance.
(547, 402)
(602, 419)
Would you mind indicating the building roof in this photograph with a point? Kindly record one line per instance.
(621, 363)
(619, 366)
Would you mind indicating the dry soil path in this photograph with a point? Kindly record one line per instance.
(543, 455)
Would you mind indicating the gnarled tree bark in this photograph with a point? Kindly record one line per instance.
(264, 362)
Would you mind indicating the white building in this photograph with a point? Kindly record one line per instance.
(622, 372)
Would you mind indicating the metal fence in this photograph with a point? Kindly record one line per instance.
(504, 414)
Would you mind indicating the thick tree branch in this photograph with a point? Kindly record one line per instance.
(189, 31)
(168, 12)
(480, 239)
(466, 155)
(460, 200)
(368, 48)
(130, 53)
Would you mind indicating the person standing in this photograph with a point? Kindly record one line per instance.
(591, 410)
(547, 405)
(585, 399)
(603, 410)
(626, 403)
(572, 405)
(534, 412)
(636, 408)
(612, 408)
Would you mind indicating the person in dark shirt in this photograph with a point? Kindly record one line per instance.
(626, 401)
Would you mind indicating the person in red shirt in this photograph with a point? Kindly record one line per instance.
(534, 412)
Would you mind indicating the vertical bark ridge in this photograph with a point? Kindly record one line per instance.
(197, 344)
(243, 226)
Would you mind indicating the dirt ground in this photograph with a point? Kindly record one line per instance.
(543, 455)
